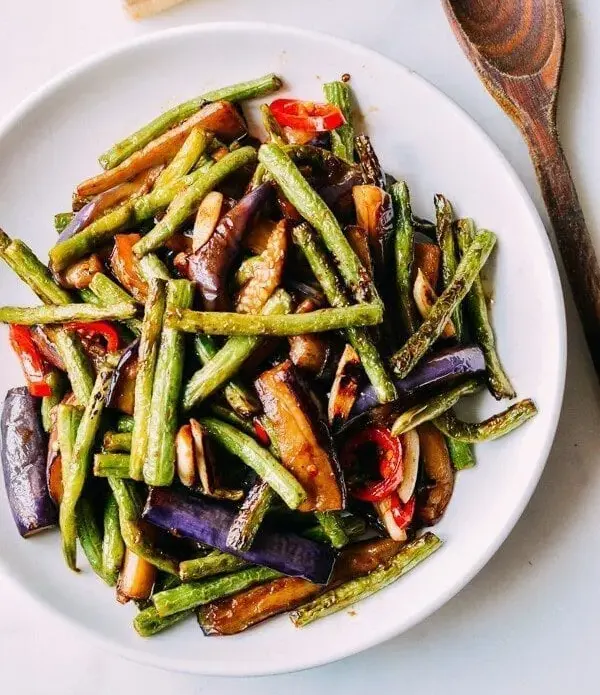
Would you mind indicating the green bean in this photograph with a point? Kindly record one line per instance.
(229, 416)
(237, 92)
(494, 427)
(153, 267)
(258, 458)
(159, 463)
(192, 594)
(127, 495)
(239, 397)
(113, 547)
(230, 357)
(96, 234)
(90, 537)
(245, 526)
(116, 441)
(355, 590)
(361, 341)
(146, 206)
(77, 364)
(342, 138)
(247, 270)
(435, 406)
(112, 464)
(271, 126)
(109, 293)
(319, 321)
(57, 383)
(64, 313)
(498, 382)
(79, 462)
(183, 162)
(404, 251)
(467, 271)
(62, 221)
(125, 424)
(148, 622)
(353, 526)
(333, 528)
(444, 217)
(311, 206)
(188, 200)
(210, 565)
(461, 454)
(144, 381)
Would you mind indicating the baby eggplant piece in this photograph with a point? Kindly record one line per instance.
(210, 264)
(207, 521)
(24, 463)
(303, 438)
(438, 469)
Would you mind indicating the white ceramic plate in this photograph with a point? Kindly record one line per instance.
(52, 142)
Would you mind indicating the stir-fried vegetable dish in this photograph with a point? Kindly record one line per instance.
(241, 377)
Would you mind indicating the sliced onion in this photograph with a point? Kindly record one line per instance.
(425, 298)
(186, 466)
(410, 451)
(207, 219)
(384, 511)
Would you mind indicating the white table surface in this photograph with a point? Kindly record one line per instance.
(529, 622)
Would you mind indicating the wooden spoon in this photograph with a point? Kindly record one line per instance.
(517, 49)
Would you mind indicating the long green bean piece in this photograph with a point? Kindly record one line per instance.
(116, 441)
(210, 565)
(125, 424)
(231, 356)
(115, 464)
(467, 271)
(224, 413)
(240, 398)
(188, 200)
(192, 594)
(258, 458)
(461, 454)
(245, 526)
(65, 313)
(57, 383)
(96, 234)
(319, 321)
(108, 293)
(113, 547)
(144, 381)
(153, 267)
(148, 622)
(159, 463)
(129, 499)
(494, 427)
(361, 341)
(312, 207)
(183, 162)
(355, 590)
(435, 406)
(444, 217)
(333, 528)
(79, 462)
(90, 537)
(353, 526)
(498, 381)
(404, 237)
(237, 92)
(22, 261)
(342, 138)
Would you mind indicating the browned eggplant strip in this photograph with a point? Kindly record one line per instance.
(345, 387)
(304, 441)
(309, 351)
(438, 469)
(234, 614)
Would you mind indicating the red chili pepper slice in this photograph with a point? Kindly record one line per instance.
(307, 115)
(389, 462)
(402, 513)
(261, 433)
(31, 361)
(102, 328)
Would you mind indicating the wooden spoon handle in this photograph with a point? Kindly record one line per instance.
(572, 235)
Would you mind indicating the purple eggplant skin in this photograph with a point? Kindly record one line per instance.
(24, 463)
(210, 264)
(207, 521)
(440, 371)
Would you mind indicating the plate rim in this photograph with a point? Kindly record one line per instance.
(72, 72)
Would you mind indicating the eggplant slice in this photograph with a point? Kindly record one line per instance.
(303, 438)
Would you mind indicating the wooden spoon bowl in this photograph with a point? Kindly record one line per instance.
(517, 48)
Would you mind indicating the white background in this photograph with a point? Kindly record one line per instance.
(530, 622)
